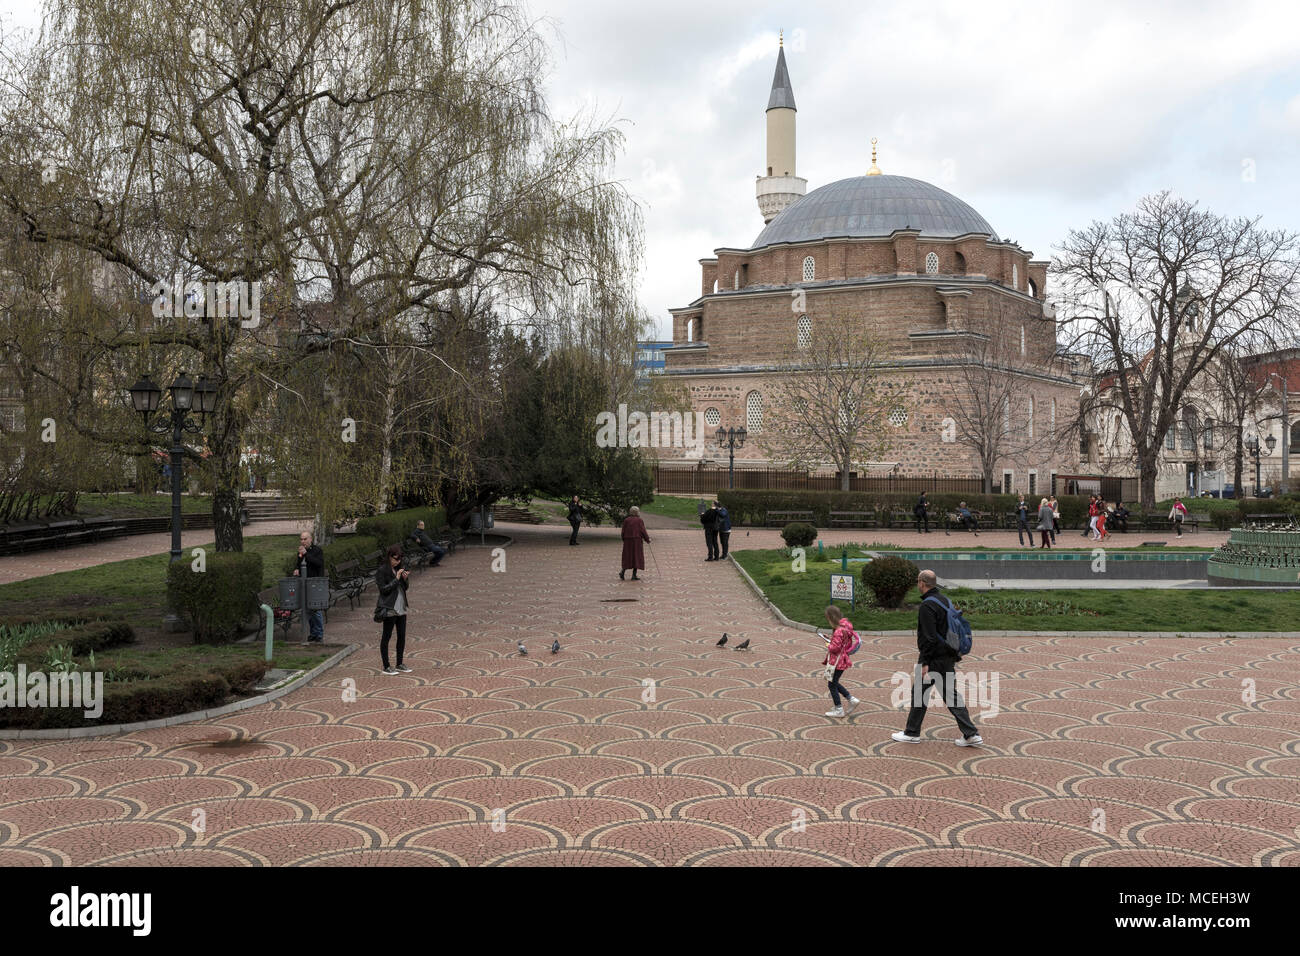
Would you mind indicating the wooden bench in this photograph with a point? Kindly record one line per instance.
(347, 581)
(982, 520)
(854, 519)
(785, 517)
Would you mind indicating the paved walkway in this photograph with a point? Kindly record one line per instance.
(1101, 752)
(20, 567)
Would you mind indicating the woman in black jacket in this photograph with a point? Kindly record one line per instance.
(391, 607)
(575, 518)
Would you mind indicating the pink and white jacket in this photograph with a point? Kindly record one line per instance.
(841, 642)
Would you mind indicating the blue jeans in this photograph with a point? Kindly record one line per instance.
(316, 624)
(836, 688)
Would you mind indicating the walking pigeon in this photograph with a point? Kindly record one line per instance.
(555, 646)
(523, 651)
(743, 645)
(721, 642)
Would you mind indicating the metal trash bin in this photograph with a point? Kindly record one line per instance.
(291, 594)
(318, 594)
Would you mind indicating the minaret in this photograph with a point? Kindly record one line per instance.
(780, 186)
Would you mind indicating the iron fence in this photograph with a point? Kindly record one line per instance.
(709, 481)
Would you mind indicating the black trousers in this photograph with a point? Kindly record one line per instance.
(711, 539)
(922, 520)
(945, 677)
(575, 525)
(725, 538)
(1022, 529)
(390, 624)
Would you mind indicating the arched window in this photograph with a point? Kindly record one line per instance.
(809, 269)
(1033, 288)
(735, 283)
(1022, 340)
(1052, 425)
(690, 330)
(1006, 415)
(804, 336)
(1031, 416)
(712, 417)
(931, 264)
(1208, 435)
(754, 412)
(715, 285)
(1015, 277)
(1295, 438)
(960, 262)
(1119, 428)
(1189, 429)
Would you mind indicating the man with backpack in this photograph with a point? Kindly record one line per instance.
(941, 634)
(709, 518)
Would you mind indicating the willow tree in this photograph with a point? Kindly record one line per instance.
(1155, 297)
(350, 164)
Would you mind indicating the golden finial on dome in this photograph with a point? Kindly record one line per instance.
(780, 37)
(874, 170)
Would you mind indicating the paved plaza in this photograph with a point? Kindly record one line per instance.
(640, 743)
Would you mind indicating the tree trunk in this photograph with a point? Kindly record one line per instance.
(844, 476)
(224, 443)
(1147, 483)
(386, 455)
(1238, 461)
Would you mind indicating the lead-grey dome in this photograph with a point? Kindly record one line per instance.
(871, 206)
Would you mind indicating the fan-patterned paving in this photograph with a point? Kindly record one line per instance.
(641, 743)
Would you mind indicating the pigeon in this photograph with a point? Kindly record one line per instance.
(523, 651)
(555, 646)
(721, 642)
(743, 645)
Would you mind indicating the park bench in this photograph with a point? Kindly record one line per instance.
(898, 518)
(785, 517)
(283, 619)
(853, 519)
(347, 581)
(983, 520)
(1162, 522)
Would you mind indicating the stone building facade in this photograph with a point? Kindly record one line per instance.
(931, 283)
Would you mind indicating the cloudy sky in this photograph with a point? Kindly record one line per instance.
(1043, 116)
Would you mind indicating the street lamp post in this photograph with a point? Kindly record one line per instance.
(187, 397)
(1257, 453)
(731, 439)
(1286, 433)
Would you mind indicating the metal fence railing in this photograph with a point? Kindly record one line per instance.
(708, 481)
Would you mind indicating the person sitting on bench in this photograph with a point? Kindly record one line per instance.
(428, 543)
(968, 522)
(1119, 517)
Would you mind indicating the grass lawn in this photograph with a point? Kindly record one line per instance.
(803, 597)
(675, 506)
(134, 589)
(140, 506)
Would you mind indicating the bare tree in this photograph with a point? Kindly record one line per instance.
(828, 402)
(1155, 296)
(993, 410)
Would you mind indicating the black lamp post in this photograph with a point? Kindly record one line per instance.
(187, 397)
(731, 439)
(1257, 453)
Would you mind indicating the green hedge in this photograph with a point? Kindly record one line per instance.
(396, 526)
(218, 601)
(749, 507)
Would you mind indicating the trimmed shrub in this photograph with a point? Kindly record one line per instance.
(395, 527)
(218, 601)
(890, 578)
(798, 534)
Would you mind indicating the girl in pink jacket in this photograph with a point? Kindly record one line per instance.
(842, 641)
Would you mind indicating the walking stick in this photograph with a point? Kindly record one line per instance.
(652, 556)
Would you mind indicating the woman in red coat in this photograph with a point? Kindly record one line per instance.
(633, 534)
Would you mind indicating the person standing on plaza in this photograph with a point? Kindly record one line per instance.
(633, 534)
(843, 641)
(1022, 523)
(724, 528)
(575, 518)
(921, 512)
(391, 606)
(1046, 519)
(1177, 512)
(710, 521)
(310, 554)
(1091, 530)
(936, 665)
(1056, 517)
(1101, 519)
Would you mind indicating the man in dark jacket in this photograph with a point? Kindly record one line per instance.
(423, 540)
(575, 518)
(710, 521)
(936, 666)
(921, 511)
(309, 551)
(724, 528)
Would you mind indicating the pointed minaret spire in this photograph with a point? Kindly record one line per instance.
(780, 186)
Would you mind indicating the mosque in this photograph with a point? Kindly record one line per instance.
(930, 279)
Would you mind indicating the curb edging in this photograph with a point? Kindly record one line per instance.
(70, 733)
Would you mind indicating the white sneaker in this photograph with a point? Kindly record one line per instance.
(853, 702)
(902, 738)
(969, 741)
(835, 712)
(390, 671)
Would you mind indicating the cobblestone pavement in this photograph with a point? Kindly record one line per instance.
(20, 567)
(1159, 752)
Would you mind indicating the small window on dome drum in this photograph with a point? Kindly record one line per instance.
(809, 269)
(932, 264)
